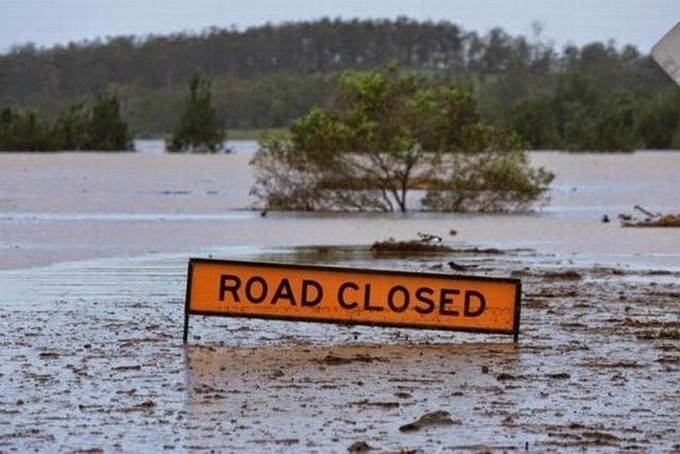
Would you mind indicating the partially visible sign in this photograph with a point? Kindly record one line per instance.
(667, 53)
(352, 296)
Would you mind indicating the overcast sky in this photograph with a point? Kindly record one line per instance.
(50, 22)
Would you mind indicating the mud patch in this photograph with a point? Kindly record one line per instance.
(434, 419)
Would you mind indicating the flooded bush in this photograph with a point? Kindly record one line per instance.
(388, 134)
(495, 178)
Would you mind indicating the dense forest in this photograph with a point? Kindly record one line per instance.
(596, 97)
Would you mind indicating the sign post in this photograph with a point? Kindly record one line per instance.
(352, 296)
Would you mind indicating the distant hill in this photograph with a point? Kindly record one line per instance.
(267, 76)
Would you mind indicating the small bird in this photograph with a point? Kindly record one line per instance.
(605, 219)
(458, 267)
(428, 238)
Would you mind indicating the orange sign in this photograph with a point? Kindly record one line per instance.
(352, 296)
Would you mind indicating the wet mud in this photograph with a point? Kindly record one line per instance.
(597, 368)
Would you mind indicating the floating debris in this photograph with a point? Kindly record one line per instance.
(429, 238)
(407, 247)
(652, 220)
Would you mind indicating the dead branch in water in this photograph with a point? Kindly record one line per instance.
(652, 220)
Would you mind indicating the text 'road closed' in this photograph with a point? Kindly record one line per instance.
(343, 295)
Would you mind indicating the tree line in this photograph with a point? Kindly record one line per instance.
(81, 127)
(596, 97)
(101, 128)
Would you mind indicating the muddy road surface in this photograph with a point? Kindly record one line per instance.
(597, 368)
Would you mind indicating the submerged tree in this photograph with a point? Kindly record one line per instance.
(199, 129)
(99, 128)
(107, 131)
(388, 134)
(73, 128)
(24, 130)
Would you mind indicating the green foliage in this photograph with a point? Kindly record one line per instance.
(534, 121)
(490, 174)
(199, 129)
(107, 131)
(390, 133)
(73, 128)
(80, 128)
(24, 130)
(615, 124)
(266, 77)
(580, 116)
(659, 122)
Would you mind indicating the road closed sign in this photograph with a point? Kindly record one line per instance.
(352, 296)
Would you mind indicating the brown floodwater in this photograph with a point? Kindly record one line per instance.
(70, 206)
(93, 260)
